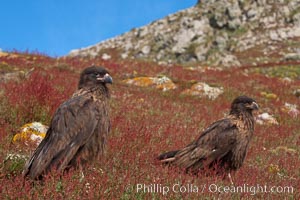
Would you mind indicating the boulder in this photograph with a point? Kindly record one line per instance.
(204, 90)
(291, 109)
(33, 132)
(163, 83)
(106, 56)
(266, 118)
(297, 93)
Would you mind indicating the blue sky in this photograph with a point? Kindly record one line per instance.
(55, 27)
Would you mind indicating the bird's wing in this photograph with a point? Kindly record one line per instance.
(71, 126)
(215, 142)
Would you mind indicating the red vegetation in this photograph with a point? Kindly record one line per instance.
(146, 122)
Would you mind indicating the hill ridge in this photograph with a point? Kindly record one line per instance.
(216, 32)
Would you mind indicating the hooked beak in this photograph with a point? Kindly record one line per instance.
(106, 79)
(254, 106)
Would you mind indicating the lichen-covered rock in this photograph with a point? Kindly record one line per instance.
(33, 132)
(292, 56)
(291, 109)
(105, 56)
(226, 60)
(297, 93)
(266, 118)
(204, 90)
(269, 95)
(163, 83)
(283, 149)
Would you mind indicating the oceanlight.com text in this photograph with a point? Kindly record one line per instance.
(212, 188)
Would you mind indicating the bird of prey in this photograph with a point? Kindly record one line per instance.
(224, 143)
(78, 130)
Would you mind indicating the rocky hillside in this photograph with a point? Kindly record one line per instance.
(213, 32)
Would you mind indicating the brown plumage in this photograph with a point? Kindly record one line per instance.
(224, 143)
(78, 130)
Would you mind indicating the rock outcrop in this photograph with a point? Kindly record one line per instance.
(214, 32)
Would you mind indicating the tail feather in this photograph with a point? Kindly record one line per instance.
(168, 156)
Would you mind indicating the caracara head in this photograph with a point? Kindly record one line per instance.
(93, 76)
(243, 103)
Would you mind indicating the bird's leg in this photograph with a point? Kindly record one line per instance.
(230, 179)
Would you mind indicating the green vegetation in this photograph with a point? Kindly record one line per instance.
(292, 71)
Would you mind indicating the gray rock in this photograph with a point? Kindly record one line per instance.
(296, 19)
(183, 40)
(228, 60)
(202, 89)
(106, 56)
(285, 11)
(146, 50)
(234, 24)
(201, 52)
(274, 35)
(291, 56)
(75, 52)
(221, 41)
(142, 32)
(124, 55)
(297, 93)
(172, 18)
(234, 10)
(251, 13)
(282, 34)
(128, 45)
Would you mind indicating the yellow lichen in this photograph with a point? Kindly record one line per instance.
(204, 90)
(268, 95)
(140, 81)
(34, 132)
(162, 83)
(284, 149)
(166, 86)
(273, 169)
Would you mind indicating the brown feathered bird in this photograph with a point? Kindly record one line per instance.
(78, 130)
(224, 143)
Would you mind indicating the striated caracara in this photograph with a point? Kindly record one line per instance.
(224, 143)
(78, 130)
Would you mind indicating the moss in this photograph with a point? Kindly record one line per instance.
(292, 71)
(269, 95)
(212, 51)
(238, 32)
(294, 12)
(192, 49)
(13, 164)
(6, 68)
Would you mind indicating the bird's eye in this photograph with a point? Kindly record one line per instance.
(248, 105)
